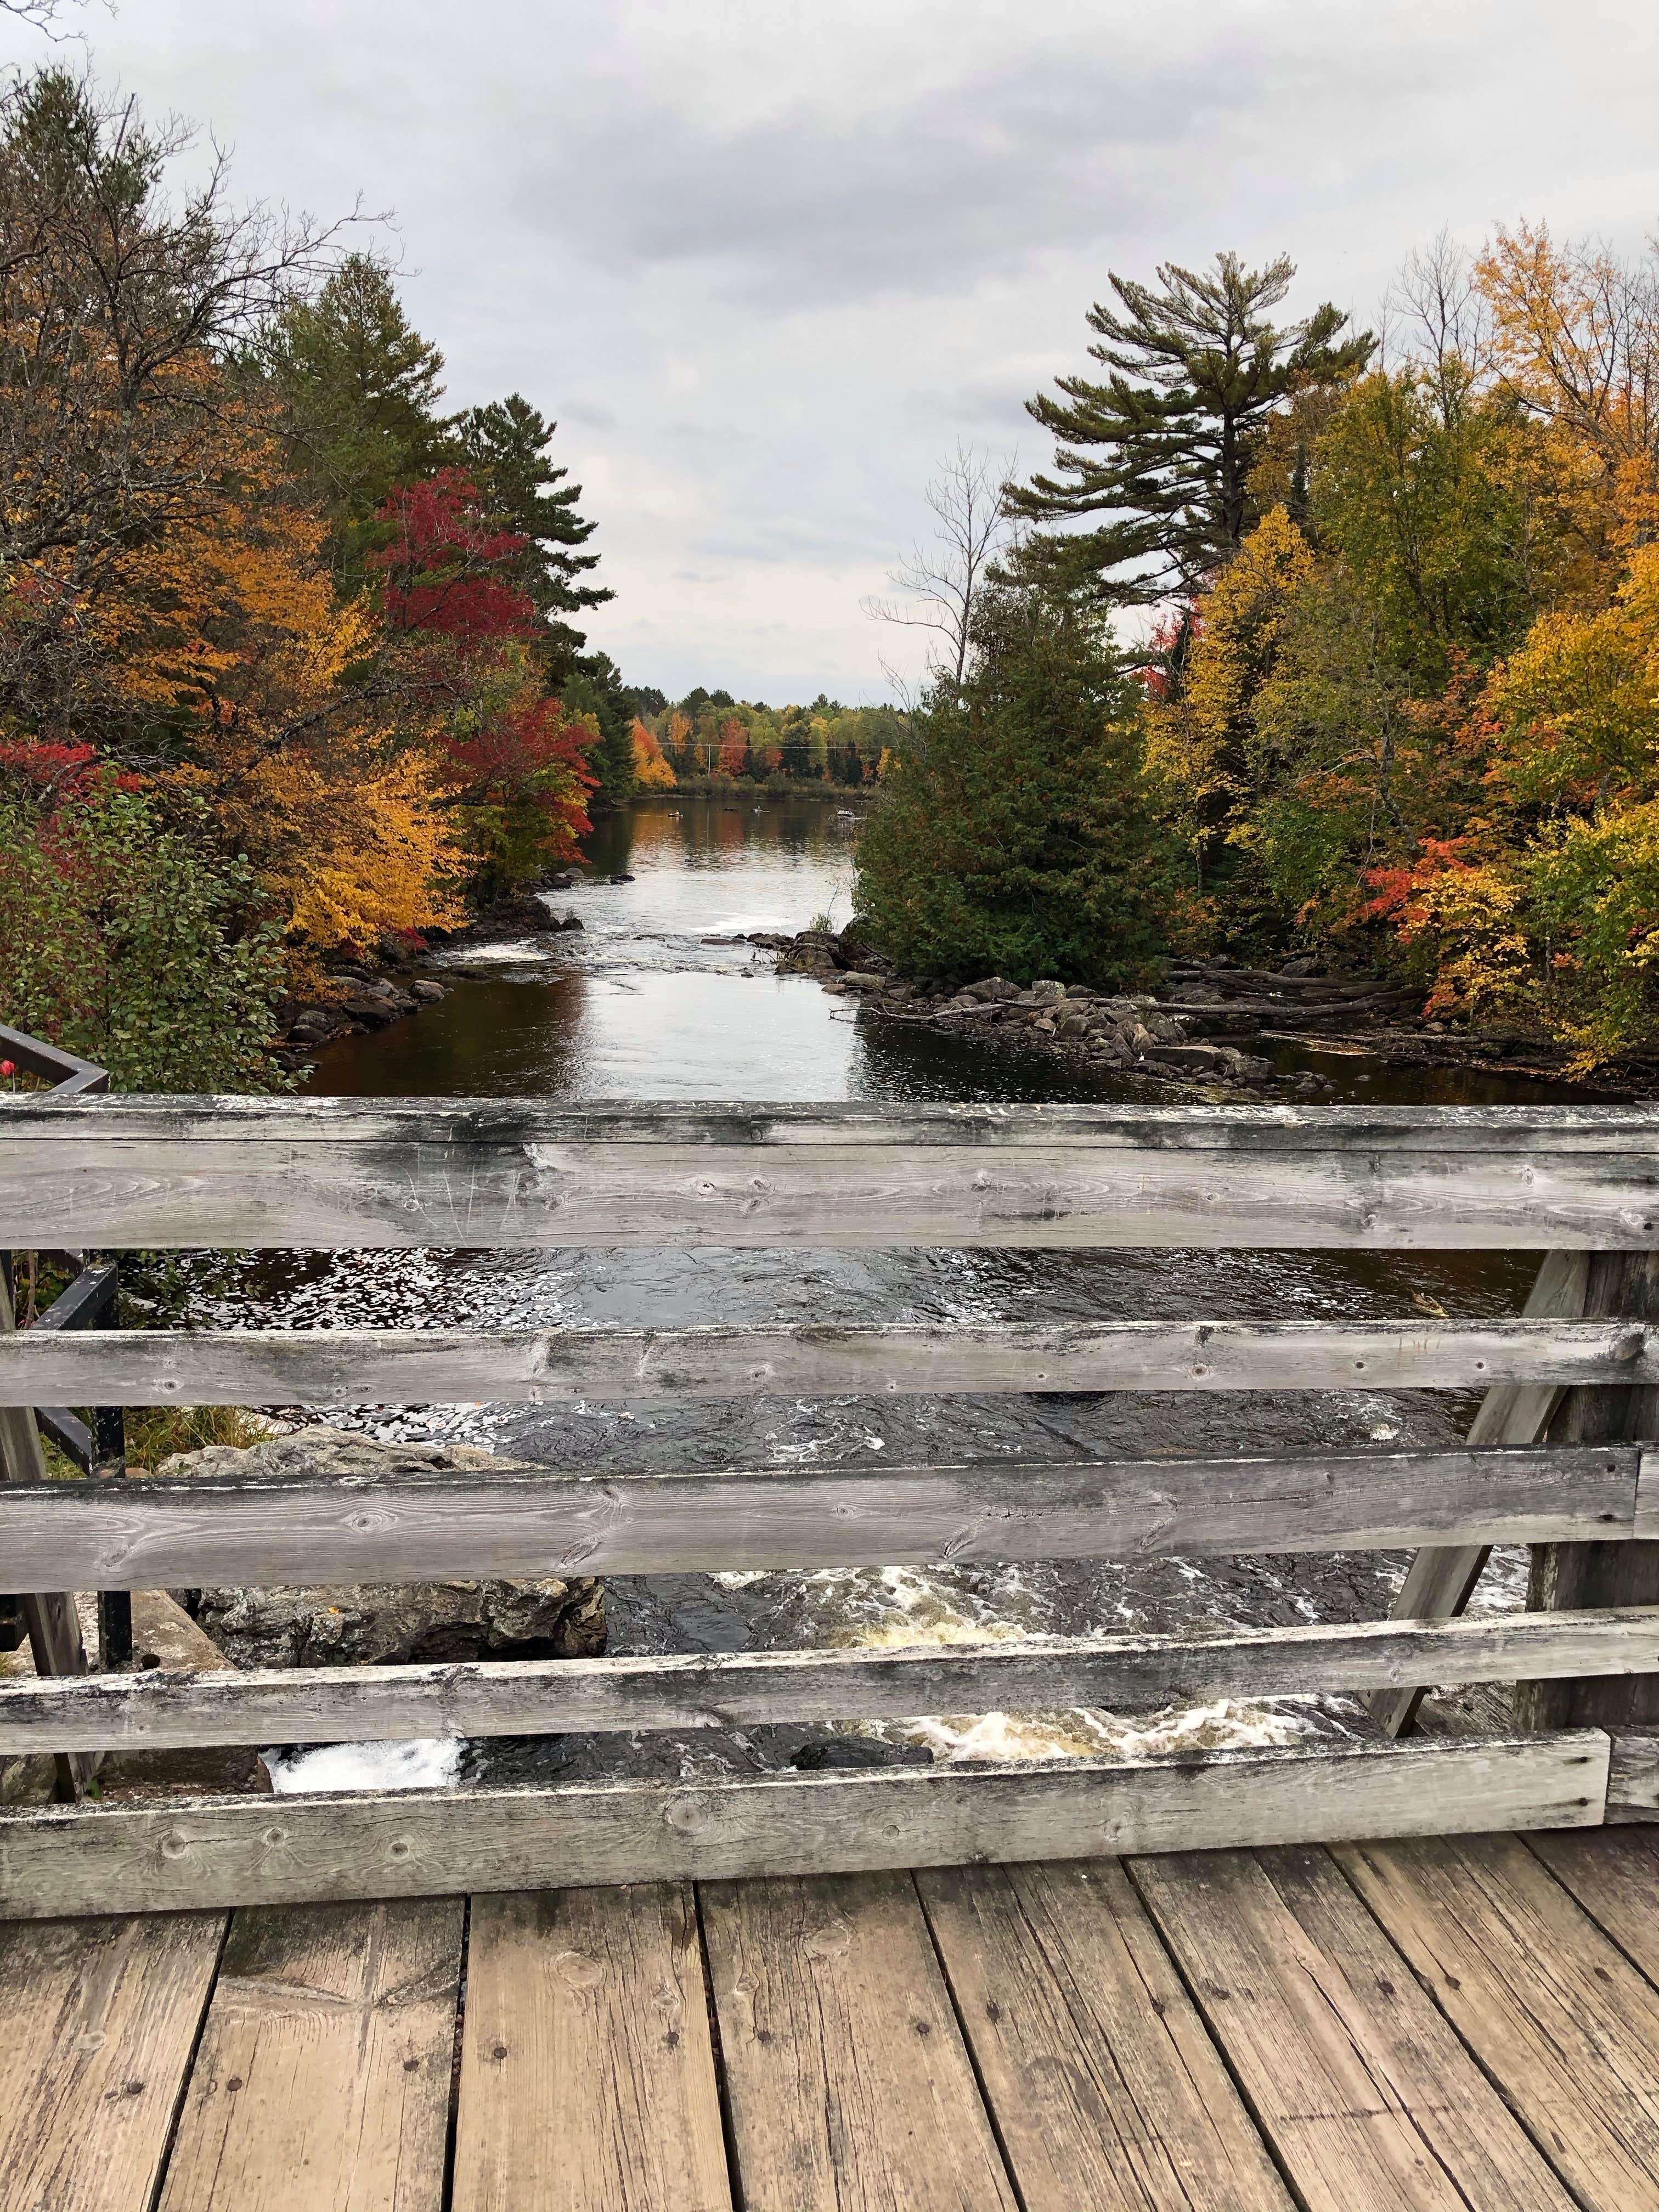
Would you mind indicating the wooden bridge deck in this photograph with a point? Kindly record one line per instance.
(1465, 2023)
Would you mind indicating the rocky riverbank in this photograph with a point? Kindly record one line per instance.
(1204, 1026)
(374, 991)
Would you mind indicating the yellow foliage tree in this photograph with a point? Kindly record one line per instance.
(651, 771)
(1575, 338)
(1199, 745)
(229, 646)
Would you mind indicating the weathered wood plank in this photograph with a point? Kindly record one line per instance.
(101, 2018)
(155, 1710)
(1555, 2013)
(1633, 1776)
(769, 1124)
(1441, 1578)
(252, 1850)
(342, 1172)
(49, 1612)
(588, 2074)
(845, 2072)
(1106, 2090)
(322, 2084)
(323, 1367)
(161, 1534)
(1614, 1876)
(1366, 2094)
(1622, 1285)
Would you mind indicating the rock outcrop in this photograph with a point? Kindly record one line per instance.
(545, 1617)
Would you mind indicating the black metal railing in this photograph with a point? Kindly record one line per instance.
(91, 1300)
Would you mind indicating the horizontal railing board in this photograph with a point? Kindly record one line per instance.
(205, 1853)
(159, 1534)
(188, 1117)
(343, 1172)
(346, 1366)
(155, 1712)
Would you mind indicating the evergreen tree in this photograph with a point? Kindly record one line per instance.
(503, 447)
(1164, 447)
(361, 386)
(1010, 836)
(594, 685)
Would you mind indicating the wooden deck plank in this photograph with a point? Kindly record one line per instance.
(1552, 2009)
(100, 2019)
(323, 2080)
(848, 2085)
(1106, 2088)
(587, 2073)
(1616, 1879)
(1365, 2092)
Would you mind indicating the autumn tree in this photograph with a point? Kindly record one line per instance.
(515, 759)
(118, 294)
(1576, 341)
(651, 770)
(1163, 447)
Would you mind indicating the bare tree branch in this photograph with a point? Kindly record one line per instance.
(1445, 320)
(941, 581)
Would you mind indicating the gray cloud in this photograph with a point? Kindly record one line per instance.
(766, 259)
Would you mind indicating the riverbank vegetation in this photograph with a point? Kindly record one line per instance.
(1384, 619)
(289, 657)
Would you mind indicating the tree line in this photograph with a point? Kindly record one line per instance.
(709, 740)
(1319, 639)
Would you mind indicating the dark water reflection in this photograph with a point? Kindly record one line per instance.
(641, 1004)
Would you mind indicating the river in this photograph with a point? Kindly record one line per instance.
(654, 1000)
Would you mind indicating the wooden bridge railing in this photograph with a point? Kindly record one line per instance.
(1557, 1461)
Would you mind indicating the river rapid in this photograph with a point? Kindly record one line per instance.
(654, 1000)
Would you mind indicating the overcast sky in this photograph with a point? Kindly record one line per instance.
(766, 259)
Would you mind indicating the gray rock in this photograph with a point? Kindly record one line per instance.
(1193, 1059)
(428, 993)
(1045, 992)
(384, 1623)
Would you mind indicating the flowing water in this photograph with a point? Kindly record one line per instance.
(653, 999)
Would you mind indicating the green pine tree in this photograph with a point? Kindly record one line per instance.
(1163, 449)
(594, 685)
(360, 387)
(1010, 836)
(503, 446)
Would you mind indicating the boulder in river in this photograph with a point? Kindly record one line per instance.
(542, 1617)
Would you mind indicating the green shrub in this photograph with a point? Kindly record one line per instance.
(126, 939)
(1010, 836)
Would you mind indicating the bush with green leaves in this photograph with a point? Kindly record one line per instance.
(126, 938)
